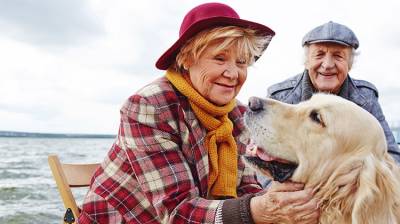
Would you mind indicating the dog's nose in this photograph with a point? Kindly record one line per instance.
(255, 104)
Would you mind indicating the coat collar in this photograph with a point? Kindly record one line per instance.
(348, 90)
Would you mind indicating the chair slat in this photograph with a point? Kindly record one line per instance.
(70, 175)
(79, 175)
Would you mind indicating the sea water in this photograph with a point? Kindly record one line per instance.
(28, 193)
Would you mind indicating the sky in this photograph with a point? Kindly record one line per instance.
(67, 66)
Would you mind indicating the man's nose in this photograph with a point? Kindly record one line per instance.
(328, 62)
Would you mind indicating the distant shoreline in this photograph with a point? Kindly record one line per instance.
(17, 134)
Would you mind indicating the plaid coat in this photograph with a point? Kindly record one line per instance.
(157, 169)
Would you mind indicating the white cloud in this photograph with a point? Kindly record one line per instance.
(48, 22)
(67, 66)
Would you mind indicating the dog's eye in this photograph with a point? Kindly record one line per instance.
(316, 117)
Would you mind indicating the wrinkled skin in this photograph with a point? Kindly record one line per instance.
(285, 203)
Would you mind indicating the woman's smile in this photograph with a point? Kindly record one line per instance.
(227, 86)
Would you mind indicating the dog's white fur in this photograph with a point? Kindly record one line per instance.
(343, 157)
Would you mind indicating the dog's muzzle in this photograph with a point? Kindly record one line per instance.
(280, 171)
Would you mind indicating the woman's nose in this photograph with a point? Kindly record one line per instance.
(231, 71)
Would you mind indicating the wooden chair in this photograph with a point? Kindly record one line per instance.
(68, 176)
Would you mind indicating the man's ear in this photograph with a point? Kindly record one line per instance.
(306, 55)
(306, 64)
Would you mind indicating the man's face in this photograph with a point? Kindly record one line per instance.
(328, 66)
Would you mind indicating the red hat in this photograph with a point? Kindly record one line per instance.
(207, 16)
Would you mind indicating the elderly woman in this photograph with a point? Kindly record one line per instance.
(177, 158)
(330, 50)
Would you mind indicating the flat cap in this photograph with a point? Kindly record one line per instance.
(331, 32)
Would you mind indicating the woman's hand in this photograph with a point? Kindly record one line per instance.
(285, 203)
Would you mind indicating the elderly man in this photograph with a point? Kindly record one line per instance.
(329, 51)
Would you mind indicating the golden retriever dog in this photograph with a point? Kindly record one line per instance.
(333, 146)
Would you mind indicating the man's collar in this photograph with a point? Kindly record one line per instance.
(348, 90)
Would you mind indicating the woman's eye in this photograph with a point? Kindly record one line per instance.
(219, 58)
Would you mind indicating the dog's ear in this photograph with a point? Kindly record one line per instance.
(378, 195)
(336, 193)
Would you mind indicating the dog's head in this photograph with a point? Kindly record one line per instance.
(299, 140)
(333, 146)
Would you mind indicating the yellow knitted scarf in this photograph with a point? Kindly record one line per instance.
(221, 146)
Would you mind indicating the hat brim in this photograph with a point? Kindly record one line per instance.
(328, 41)
(169, 56)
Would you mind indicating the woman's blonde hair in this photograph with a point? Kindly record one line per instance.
(247, 43)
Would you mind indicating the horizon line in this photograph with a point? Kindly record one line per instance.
(4, 133)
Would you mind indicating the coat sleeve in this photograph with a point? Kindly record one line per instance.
(376, 110)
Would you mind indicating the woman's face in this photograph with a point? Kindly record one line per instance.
(218, 76)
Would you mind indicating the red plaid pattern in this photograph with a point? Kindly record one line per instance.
(157, 170)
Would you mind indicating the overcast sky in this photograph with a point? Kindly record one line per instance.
(67, 66)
